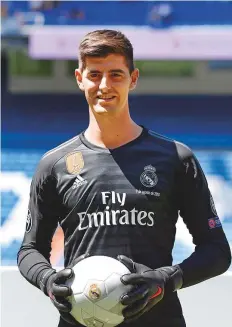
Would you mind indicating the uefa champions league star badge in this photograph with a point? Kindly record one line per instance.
(149, 178)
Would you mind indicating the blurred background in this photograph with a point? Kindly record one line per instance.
(184, 52)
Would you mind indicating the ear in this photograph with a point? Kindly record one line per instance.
(134, 79)
(78, 75)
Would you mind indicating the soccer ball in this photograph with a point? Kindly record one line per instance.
(97, 290)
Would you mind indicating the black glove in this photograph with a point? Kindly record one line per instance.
(57, 285)
(149, 286)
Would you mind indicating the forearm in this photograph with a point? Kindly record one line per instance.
(33, 266)
(207, 261)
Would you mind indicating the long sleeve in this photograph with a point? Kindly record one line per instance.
(212, 254)
(42, 221)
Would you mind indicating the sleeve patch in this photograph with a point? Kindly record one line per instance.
(214, 222)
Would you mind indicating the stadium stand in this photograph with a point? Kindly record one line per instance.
(178, 13)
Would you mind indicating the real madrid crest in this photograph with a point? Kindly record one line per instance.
(74, 162)
(149, 178)
(94, 292)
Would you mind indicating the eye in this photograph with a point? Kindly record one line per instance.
(94, 75)
(116, 75)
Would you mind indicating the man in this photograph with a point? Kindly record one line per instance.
(116, 190)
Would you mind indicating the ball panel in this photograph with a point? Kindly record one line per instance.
(92, 321)
(81, 305)
(97, 290)
(107, 316)
(98, 267)
(112, 301)
(115, 289)
(112, 281)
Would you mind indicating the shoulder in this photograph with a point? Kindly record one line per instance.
(47, 163)
(183, 151)
(164, 143)
(161, 138)
(178, 150)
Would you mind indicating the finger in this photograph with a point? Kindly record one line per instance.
(135, 309)
(62, 304)
(63, 275)
(61, 290)
(129, 263)
(136, 294)
(138, 314)
(133, 279)
(68, 318)
(149, 305)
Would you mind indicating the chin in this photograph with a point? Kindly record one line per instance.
(104, 110)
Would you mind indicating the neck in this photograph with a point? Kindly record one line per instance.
(111, 132)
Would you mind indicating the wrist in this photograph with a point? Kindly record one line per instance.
(173, 277)
(44, 278)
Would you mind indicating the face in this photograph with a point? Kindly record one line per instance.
(106, 83)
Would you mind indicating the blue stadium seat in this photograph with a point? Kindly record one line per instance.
(120, 12)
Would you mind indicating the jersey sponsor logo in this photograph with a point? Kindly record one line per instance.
(115, 217)
(109, 217)
(79, 181)
(149, 178)
(28, 222)
(214, 222)
(74, 163)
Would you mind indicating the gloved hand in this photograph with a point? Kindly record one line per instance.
(149, 286)
(57, 285)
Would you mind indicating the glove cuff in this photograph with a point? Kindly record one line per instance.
(174, 276)
(44, 279)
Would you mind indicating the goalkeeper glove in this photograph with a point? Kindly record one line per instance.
(57, 285)
(149, 286)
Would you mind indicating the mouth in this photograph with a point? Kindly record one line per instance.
(106, 99)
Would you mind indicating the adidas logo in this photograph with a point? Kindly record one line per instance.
(78, 182)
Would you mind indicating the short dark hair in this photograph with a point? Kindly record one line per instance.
(101, 43)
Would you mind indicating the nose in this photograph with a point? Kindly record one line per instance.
(104, 84)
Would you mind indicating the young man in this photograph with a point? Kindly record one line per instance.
(117, 189)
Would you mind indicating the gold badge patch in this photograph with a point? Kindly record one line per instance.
(74, 163)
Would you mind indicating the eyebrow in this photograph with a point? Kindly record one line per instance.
(111, 71)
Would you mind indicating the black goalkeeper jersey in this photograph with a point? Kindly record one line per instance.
(125, 201)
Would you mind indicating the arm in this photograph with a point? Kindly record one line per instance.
(34, 255)
(42, 221)
(212, 252)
